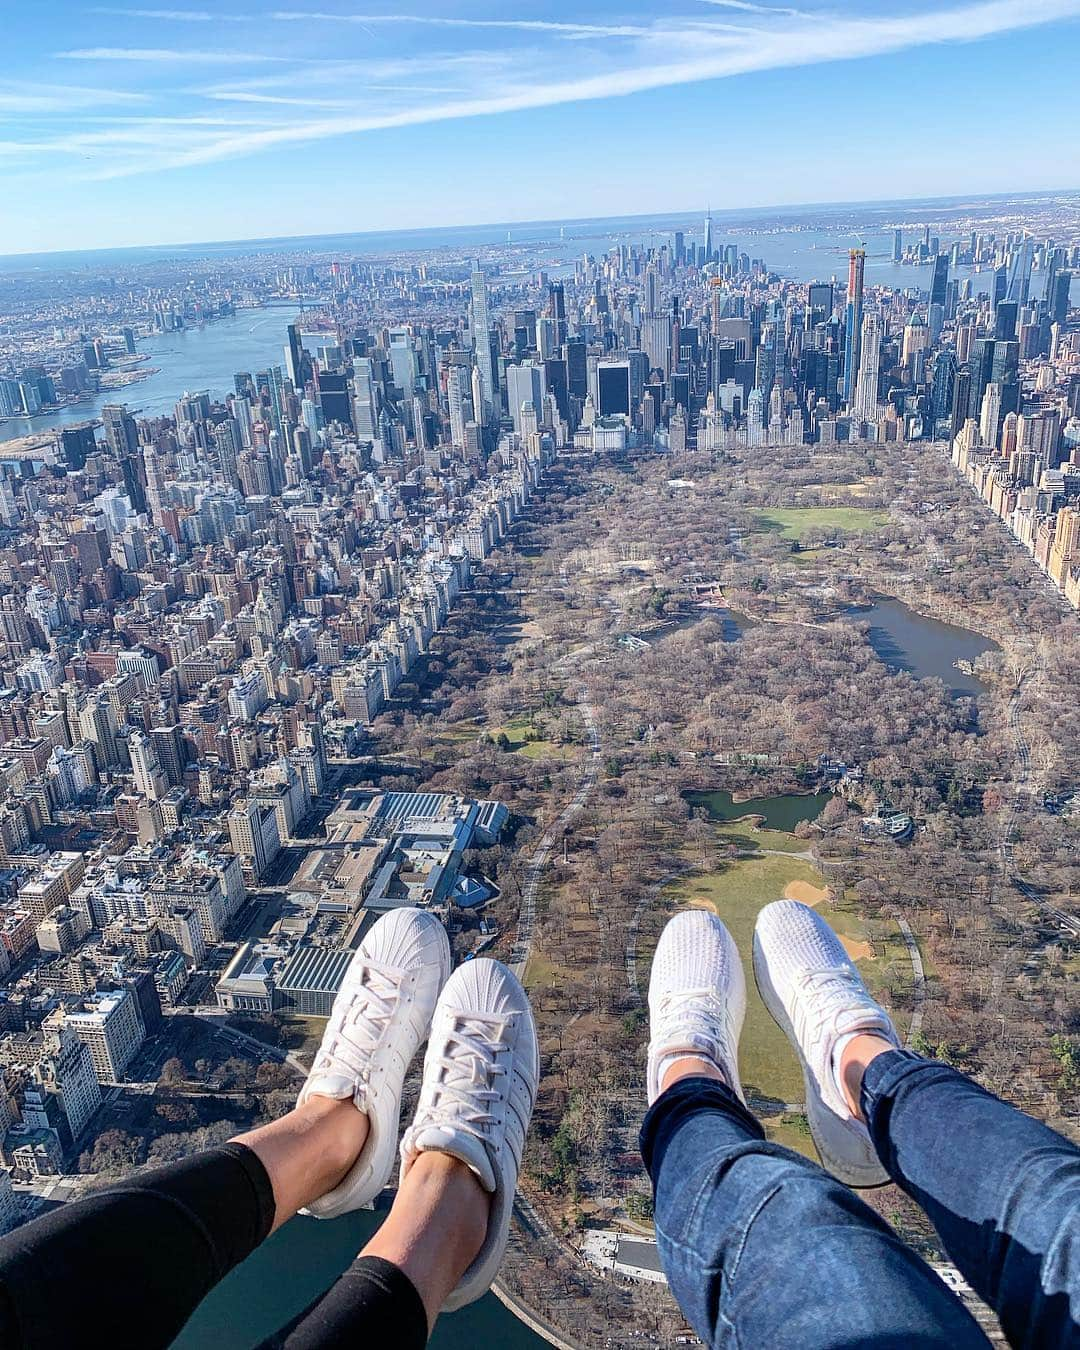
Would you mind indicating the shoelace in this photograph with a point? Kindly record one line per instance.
(365, 1019)
(685, 1006)
(468, 1072)
(822, 994)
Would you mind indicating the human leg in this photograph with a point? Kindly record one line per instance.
(1002, 1190)
(168, 1236)
(760, 1245)
(444, 1239)
(393, 1291)
(131, 1264)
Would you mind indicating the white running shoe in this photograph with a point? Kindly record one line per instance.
(380, 1016)
(819, 1000)
(480, 1074)
(697, 998)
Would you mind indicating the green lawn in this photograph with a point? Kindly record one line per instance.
(521, 732)
(743, 834)
(459, 732)
(794, 522)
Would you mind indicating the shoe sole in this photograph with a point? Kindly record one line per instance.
(861, 1178)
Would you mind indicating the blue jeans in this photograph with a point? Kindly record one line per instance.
(766, 1251)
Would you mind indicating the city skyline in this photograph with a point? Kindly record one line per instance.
(337, 115)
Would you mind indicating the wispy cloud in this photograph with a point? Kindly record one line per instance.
(552, 27)
(748, 8)
(19, 97)
(293, 101)
(402, 90)
(167, 56)
(171, 15)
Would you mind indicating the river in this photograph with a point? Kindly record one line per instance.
(193, 359)
(296, 1265)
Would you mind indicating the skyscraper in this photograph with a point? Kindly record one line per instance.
(525, 383)
(708, 236)
(940, 279)
(898, 246)
(853, 321)
(866, 394)
(294, 358)
(481, 335)
(1020, 273)
(456, 397)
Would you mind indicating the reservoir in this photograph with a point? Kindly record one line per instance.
(924, 647)
(299, 1263)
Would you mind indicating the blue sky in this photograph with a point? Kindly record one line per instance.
(137, 124)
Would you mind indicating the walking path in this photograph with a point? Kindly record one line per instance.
(1069, 922)
(522, 948)
(918, 975)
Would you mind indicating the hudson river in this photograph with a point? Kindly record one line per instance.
(299, 1263)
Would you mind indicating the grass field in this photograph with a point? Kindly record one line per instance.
(743, 834)
(521, 734)
(791, 524)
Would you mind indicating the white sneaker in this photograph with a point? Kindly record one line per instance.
(380, 1016)
(697, 998)
(480, 1074)
(819, 1000)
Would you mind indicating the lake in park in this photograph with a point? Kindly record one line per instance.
(780, 813)
(905, 640)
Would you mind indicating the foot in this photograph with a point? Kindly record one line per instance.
(480, 1075)
(820, 1002)
(380, 1016)
(697, 999)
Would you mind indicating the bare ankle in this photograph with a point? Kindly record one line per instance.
(436, 1227)
(855, 1058)
(690, 1066)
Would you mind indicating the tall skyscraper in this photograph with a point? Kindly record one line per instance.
(940, 279)
(898, 246)
(525, 383)
(481, 335)
(708, 236)
(1020, 272)
(1058, 297)
(294, 357)
(457, 397)
(866, 393)
(853, 321)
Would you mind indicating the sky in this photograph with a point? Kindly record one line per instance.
(138, 124)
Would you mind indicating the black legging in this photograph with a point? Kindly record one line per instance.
(127, 1267)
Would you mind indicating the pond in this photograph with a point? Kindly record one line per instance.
(300, 1262)
(780, 813)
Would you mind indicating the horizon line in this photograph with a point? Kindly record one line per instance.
(552, 220)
